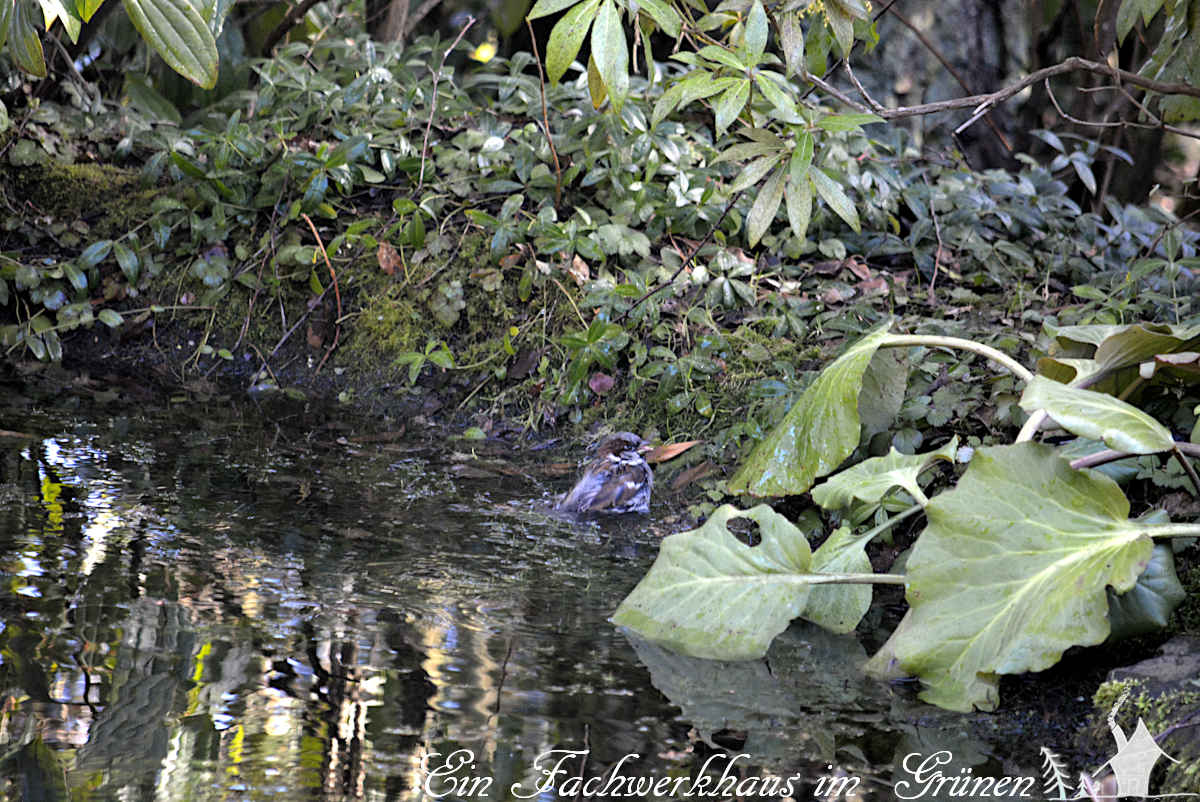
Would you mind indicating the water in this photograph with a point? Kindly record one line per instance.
(205, 602)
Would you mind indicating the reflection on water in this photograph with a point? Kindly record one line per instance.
(217, 607)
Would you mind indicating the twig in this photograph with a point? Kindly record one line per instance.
(286, 24)
(937, 54)
(415, 17)
(685, 262)
(862, 90)
(537, 59)
(1189, 469)
(437, 75)
(981, 104)
(937, 231)
(337, 329)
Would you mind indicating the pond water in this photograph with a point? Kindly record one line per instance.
(210, 602)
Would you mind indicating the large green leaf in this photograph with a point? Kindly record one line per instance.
(1091, 351)
(566, 37)
(871, 479)
(710, 595)
(1147, 606)
(840, 607)
(611, 53)
(818, 432)
(1011, 572)
(177, 31)
(1097, 416)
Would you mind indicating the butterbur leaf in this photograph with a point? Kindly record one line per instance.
(871, 479)
(710, 595)
(839, 607)
(817, 433)
(1147, 606)
(1097, 416)
(1010, 572)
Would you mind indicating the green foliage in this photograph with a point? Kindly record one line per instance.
(1014, 564)
(178, 30)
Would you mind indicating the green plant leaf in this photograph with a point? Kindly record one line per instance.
(566, 37)
(831, 192)
(839, 607)
(611, 52)
(544, 8)
(791, 40)
(1011, 572)
(766, 204)
(175, 29)
(128, 260)
(730, 104)
(663, 14)
(871, 479)
(799, 205)
(847, 122)
(110, 318)
(95, 253)
(1148, 605)
(817, 433)
(710, 595)
(755, 32)
(841, 23)
(25, 47)
(1097, 416)
(754, 172)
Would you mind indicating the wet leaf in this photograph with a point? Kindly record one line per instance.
(710, 595)
(1097, 416)
(1011, 572)
(818, 432)
(600, 383)
(839, 607)
(870, 480)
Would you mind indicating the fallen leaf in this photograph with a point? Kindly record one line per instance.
(669, 451)
(314, 340)
(858, 268)
(388, 258)
(579, 270)
(600, 383)
(694, 474)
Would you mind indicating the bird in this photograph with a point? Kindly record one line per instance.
(617, 481)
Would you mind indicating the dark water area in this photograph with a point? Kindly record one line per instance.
(215, 602)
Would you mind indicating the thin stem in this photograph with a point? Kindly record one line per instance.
(996, 355)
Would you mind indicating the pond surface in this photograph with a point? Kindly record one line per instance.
(207, 602)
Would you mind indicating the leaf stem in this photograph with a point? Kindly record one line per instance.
(994, 354)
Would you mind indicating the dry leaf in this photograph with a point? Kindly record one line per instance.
(669, 451)
(388, 258)
(600, 383)
(694, 474)
(579, 270)
(314, 340)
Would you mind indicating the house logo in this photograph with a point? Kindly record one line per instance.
(1125, 774)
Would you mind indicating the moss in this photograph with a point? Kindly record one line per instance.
(70, 191)
(1160, 714)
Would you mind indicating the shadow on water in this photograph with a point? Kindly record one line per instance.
(200, 605)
